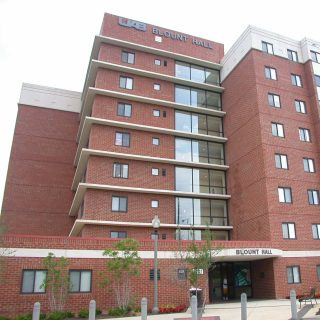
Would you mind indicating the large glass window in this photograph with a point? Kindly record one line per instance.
(32, 281)
(199, 151)
(200, 180)
(201, 235)
(198, 123)
(197, 98)
(201, 212)
(197, 73)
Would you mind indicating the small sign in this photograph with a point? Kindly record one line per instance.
(132, 24)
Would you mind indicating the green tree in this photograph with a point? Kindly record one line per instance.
(122, 265)
(57, 281)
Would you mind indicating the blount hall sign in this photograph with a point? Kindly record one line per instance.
(162, 33)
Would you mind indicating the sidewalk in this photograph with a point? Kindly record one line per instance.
(257, 310)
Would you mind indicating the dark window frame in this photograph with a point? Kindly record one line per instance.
(277, 124)
(158, 203)
(126, 78)
(299, 102)
(123, 53)
(294, 266)
(281, 154)
(267, 71)
(304, 135)
(156, 144)
(115, 196)
(285, 202)
(264, 44)
(318, 232)
(274, 95)
(124, 104)
(122, 133)
(311, 192)
(81, 270)
(287, 225)
(34, 279)
(121, 170)
(118, 232)
(314, 167)
(316, 55)
(291, 55)
(294, 81)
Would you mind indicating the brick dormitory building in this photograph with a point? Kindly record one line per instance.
(168, 125)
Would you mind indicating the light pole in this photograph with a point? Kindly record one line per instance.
(156, 225)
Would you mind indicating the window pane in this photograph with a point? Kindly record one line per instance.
(118, 141)
(274, 129)
(281, 195)
(276, 101)
(123, 204)
(197, 74)
(201, 180)
(198, 98)
(116, 170)
(40, 277)
(217, 182)
(27, 281)
(183, 179)
(85, 285)
(127, 111)
(183, 121)
(290, 275)
(213, 100)
(125, 170)
(123, 81)
(216, 153)
(315, 233)
(296, 275)
(129, 83)
(287, 194)
(182, 95)
(215, 126)
(318, 272)
(115, 204)
(184, 211)
(120, 109)
(183, 149)
(278, 162)
(126, 139)
(130, 58)
(75, 281)
(200, 151)
(182, 70)
(212, 76)
(201, 211)
(285, 232)
(280, 130)
(292, 232)
(284, 163)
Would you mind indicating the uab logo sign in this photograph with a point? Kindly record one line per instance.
(132, 24)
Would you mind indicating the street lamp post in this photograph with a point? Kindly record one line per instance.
(156, 225)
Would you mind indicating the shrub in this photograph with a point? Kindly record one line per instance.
(4, 318)
(59, 315)
(98, 312)
(84, 313)
(115, 312)
(23, 317)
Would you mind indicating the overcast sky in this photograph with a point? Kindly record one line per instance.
(48, 42)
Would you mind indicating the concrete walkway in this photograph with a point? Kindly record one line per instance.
(257, 310)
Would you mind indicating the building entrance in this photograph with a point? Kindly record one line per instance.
(227, 280)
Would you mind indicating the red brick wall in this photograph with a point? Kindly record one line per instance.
(103, 138)
(97, 206)
(141, 113)
(100, 171)
(142, 86)
(37, 196)
(142, 60)
(111, 28)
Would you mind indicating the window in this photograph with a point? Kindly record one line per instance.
(267, 47)
(198, 123)
(277, 130)
(292, 55)
(296, 80)
(300, 106)
(154, 203)
(197, 73)
(308, 165)
(316, 231)
(182, 274)
(313, 197)
(200, 180)
(193, 211)
(118, 234)
(126, 83)
(122, 139)
(281, 161)
(156, 113)
(151, 274)
(270, 73)
(156, 86)
(156, 141)
(80, 280)
(32, 281)
(119, 204)
(304, 134)
(164, 114)
(197, 97)
(157, 62)
(284, 194)
(164, 172)
(165, 63)
(120, 170)
(124, 109)
(199, 151)
(318, 272)
(317, 80)
(293, 274)
(288, 230)
(155, 171)
(274, 100)
(315, 56)
(127, 57)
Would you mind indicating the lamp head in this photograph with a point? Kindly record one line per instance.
(156, 222)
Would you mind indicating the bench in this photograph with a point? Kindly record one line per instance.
(309, 297)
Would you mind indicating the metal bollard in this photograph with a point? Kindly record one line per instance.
(293, 300)
(92, 310)
(36, 311)
(244, 306)
(144, 308)
(194, 307)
